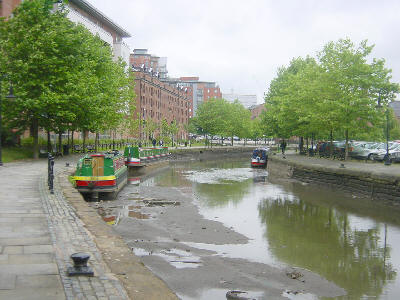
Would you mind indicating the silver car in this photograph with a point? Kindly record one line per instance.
(365, 150)
(394, 152)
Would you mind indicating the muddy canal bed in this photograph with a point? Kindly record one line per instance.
(209, 228)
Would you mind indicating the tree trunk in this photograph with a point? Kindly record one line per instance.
(307, 144)
(84, 141)
(35, 135)
(301, 144)
(346, 154)
(331, 144)
(232, 140)
(96, 142)
(113, 140)
(72, 140)
(48, 142)
(60, 142)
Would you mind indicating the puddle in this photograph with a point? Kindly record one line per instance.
(208, 294)
(140, 252)
(180, 259)
(294, 295)
(134, 180)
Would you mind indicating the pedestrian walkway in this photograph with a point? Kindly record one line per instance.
(38, 233)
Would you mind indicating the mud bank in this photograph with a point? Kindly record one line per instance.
(138, 281)
(355, 178)
(163, 226)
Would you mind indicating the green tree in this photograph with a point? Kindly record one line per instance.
(64, 76)
(355, 84)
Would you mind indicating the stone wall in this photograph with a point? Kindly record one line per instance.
(375, 186)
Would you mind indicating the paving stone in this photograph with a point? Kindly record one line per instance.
(33, 294)
(13, 250)
(39, 281)
(3, 258)
(7, 282)
(31, 259)
(10, 220)
(29, 269)
(38, 249)
(26, 241)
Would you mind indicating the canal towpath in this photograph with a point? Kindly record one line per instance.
(38, 233)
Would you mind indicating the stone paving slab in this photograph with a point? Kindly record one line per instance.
(29, 269)
(33, 294)
(26, 241)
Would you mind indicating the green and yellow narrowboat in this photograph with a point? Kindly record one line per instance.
(101, 173)
(139, 157)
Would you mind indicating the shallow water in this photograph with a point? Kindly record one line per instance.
(347, 240)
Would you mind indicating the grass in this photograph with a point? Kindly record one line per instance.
(16, 153)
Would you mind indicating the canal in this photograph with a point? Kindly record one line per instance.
(209, 227)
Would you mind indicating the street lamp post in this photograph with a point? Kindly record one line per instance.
(386, 158)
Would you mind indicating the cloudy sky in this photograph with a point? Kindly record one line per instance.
(240, 44)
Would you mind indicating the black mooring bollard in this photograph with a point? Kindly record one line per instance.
(80, 267)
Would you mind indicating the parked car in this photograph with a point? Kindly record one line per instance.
(393, 152)
(366, 150)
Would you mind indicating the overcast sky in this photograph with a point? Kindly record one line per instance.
(240, 44)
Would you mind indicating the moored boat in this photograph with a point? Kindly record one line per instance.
(101, 172)
(259, 157)
(139, 157)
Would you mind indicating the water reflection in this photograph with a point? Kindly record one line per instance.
(342, 239)
(322, 240)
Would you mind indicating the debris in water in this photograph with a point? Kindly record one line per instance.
(294, 275)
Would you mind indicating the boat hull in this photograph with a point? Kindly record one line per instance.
(258, 163)
(102, 184)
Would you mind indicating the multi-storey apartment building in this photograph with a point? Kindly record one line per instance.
(140, 59)
(198, 91)
(156, 101)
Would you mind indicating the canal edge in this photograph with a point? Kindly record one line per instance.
(367, 184)
(139, 282)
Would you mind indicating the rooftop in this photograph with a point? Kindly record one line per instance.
(90, 9)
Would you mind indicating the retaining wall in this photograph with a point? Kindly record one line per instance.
(376, 186)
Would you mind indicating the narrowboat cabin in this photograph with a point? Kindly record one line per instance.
(260, 157)
(101, 173)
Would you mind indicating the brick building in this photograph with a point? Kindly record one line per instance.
(157, 101)
(143, 61)
(198, 91)
(7, 6)
(256, 110)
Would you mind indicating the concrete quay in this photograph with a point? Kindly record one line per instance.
(365, 178)
(39, 231)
